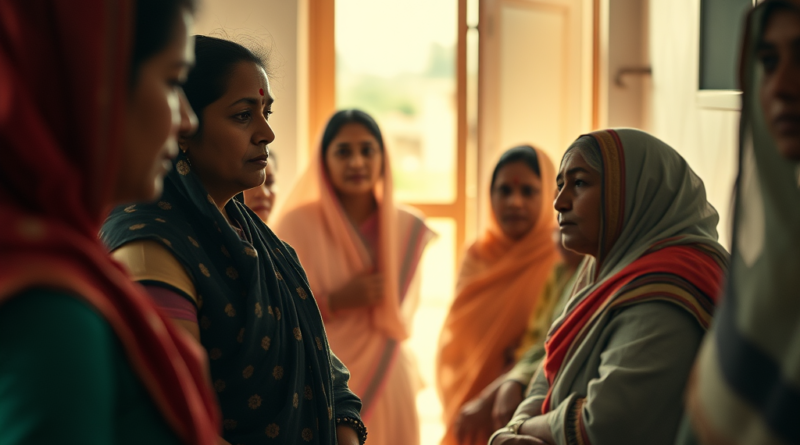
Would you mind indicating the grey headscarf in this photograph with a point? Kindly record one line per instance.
(747, 383)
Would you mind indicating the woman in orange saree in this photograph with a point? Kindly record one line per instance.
(360, 251)
(500, 281)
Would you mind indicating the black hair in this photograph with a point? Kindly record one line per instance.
(214, 62)
(340, 118)
(523, 153)
(154, 28)
(775, 6)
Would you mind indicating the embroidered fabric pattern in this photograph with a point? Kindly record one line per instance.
(574, 430)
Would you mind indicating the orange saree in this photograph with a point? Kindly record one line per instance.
(498, 286)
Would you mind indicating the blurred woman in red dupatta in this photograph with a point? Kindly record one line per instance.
(361, 252)
(89, 118)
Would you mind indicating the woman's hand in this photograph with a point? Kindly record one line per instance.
(363, 290)
(516, 439)
(509, 396)
(475, 420)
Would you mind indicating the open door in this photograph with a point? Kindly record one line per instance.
(536, 77)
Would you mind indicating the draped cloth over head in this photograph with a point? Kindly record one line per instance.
(270, 361)
(334, 251)
(56, 178)
(498, 285)
(746, 385)
(658, 243)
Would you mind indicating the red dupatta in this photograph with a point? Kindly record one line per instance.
(63, 89)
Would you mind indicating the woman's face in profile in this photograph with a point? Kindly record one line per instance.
(157, 112)
(261, 199)
(516, 199)
(354, 160)
(230, 152)
(578, 205)
(778, 53)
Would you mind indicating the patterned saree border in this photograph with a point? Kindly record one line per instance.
(613, 188)
(378, 380)
(671, 289)
(652, 287)
(574, 428)
(410, 260)
(715, 254)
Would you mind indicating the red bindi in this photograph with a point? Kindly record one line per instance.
(515, 181)
(261, 91)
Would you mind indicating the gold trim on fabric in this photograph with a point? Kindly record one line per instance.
(148, 260)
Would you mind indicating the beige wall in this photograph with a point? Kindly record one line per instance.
(272, 24)
(624, 46)
(535, 80)
(706, 138)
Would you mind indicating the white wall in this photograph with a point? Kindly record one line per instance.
(706, 138)
(272, 24)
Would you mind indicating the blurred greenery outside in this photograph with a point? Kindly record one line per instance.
(411, 108)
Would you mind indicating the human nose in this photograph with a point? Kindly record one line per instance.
(562, 203)
(357, 160)
(188, 118)
(515, 199)
(265, 135)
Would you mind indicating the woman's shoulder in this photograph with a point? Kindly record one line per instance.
(40, 326)
(160, 221)
(153, 261)
(58, 349)
(54, 312)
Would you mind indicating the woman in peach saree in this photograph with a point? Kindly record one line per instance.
(361, 252)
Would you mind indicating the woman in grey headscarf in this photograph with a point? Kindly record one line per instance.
(618, 359)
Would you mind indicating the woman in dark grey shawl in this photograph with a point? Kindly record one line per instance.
(746, 385)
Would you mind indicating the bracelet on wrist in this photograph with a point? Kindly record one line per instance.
(357, 425)
(511, 428)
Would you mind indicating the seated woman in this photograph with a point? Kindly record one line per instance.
(91, 110)
(222, 274)
(500, 282)
(495, 406)
(261, 199)
(619, 357)
(746, 385)
(361, 252)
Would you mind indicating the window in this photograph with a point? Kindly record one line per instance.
(399, 65)
(721, 29)
(721, 32)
